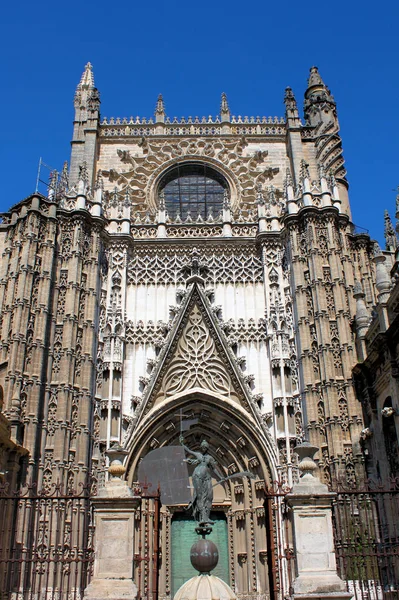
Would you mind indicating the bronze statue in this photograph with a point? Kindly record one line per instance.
(201, 504)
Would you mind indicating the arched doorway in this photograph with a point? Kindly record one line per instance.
(238, 443)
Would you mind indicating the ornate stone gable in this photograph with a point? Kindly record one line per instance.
(197, 357)
(196, 362)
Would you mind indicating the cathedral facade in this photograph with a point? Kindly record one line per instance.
(201, 270)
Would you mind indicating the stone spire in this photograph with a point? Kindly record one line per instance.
(224, 108)
(291, 109)
(391, 240)
(64, 180)
(160, 110)
(87, 96)
(87, 79)
(315, 78)
(86, 121)
(319, 106)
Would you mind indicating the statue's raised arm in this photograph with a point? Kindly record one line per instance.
(197, 455)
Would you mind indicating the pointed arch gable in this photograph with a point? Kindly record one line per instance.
(210, 365)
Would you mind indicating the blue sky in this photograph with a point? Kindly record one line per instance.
(191, 52)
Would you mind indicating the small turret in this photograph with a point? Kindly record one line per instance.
(319, 106)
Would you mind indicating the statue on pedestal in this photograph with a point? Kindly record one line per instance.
(201, 504)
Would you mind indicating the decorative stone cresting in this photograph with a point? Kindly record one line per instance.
(310, 502)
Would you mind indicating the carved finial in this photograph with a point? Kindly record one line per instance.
(391, 241)
(87, 79)
(160, 108)
(83, 173)
(126, 201)
(64, 180)
(397, 203)
(226, 200)
(271, 195)
(260, 199)
(314, 77)
(288, 178)
(99, 181)
(161, 199)
(288, 185)
(322, 171)
(304, 172)
(291, 108)
(52, 185)
(289, 99)
(224, 105)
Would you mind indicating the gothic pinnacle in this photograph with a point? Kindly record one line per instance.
(224, 105)
(315, 78)
(64, 179)
(87, 79)
(160, 108)
(291, 108)
(319, 106)
(289, 99)
(391, 241)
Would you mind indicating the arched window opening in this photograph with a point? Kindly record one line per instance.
(193, 189)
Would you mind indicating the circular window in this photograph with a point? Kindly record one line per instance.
(193, 189)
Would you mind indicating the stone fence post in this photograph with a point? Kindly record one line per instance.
(311, 505)
(114, 510)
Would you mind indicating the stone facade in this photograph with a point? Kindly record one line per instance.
(376, 373)
(116, 317)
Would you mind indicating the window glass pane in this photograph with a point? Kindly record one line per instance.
(193, 188)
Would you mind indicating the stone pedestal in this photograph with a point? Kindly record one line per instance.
(114, 509)
(311, 505)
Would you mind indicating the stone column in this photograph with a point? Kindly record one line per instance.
(311, 505)
(114, 509)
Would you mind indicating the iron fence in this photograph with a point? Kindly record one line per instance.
(366, 532)
(46, 543)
